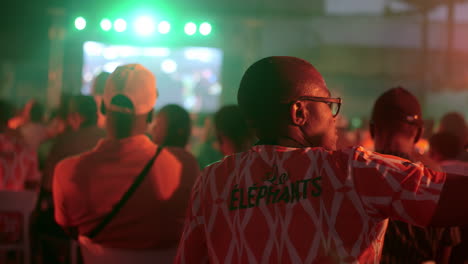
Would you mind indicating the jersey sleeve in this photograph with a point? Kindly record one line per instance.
(391, 187)
(192, 247)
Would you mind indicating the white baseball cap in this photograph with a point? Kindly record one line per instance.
(135, 82)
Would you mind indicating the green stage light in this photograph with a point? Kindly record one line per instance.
(106, 24)
(205, 28)
(164, 27)
(80, 23)
(120, 25)
(190, 28)
(145, 25)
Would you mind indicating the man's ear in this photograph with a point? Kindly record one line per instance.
(103, 108)
(149, 117)
(298, 113)
(372, 130)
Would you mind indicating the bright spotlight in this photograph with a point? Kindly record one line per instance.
(205, 29)
(190, 28)
(169, 66)
(145, 25)
(106, 24)
(164, 27)
(80, 23)
(120, 25)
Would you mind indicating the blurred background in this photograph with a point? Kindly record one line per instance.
(199, 49)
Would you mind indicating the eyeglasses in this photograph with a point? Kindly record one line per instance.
(333, 103)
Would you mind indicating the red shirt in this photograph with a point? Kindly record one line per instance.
(274, 204)
(18, 163)
(86, 187)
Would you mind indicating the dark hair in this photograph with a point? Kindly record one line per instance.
(36, 114)
(231, 123)
(7, 111)
(455, 124)
(178, 125)
(447, 145)
(86, 107)
(100, 83)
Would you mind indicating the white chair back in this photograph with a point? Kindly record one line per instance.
(96, 254)
(13, 203)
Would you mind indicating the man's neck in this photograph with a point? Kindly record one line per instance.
(284, 141)
(397, 146)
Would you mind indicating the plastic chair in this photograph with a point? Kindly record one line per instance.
(96, 254)
(15, 213)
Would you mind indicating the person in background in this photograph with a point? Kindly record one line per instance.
(293, 198)
(455, 123)
(396, 126)
(172, 127)
(34, 131)
(207, 151)
(82, 136)
(232, 131)
(18, 163)
(152, 218)
(446, 148)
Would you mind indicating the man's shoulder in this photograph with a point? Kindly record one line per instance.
(69, 164)
(185, 157)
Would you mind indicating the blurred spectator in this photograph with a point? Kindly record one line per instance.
(455, 123)
(34, 131)
(88, 186)
(18, 163)
(97, 91)
(172, 126)
(446, 148)
(82, 136)
(232, 130)
(207, 151)
(396, 126)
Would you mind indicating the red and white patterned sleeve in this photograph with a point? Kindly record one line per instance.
(391, 187)
(192, 246)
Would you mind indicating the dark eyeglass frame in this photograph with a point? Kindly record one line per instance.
(328, 100)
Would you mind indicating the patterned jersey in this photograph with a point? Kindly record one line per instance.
(18, 163)
(274, 204)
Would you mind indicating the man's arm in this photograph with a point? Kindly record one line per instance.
(452, 208)
(192, 246)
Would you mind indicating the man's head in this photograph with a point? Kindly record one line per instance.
(128, 101)
(396, 116)
(82, 112)
(36, 114)
(455, 123)
(100, 83)
(233, 132)
(172, 126)
(286, 97)
(445, 146)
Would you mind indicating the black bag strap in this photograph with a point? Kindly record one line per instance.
(125, 197)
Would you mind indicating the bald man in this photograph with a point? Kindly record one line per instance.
(292, 198)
